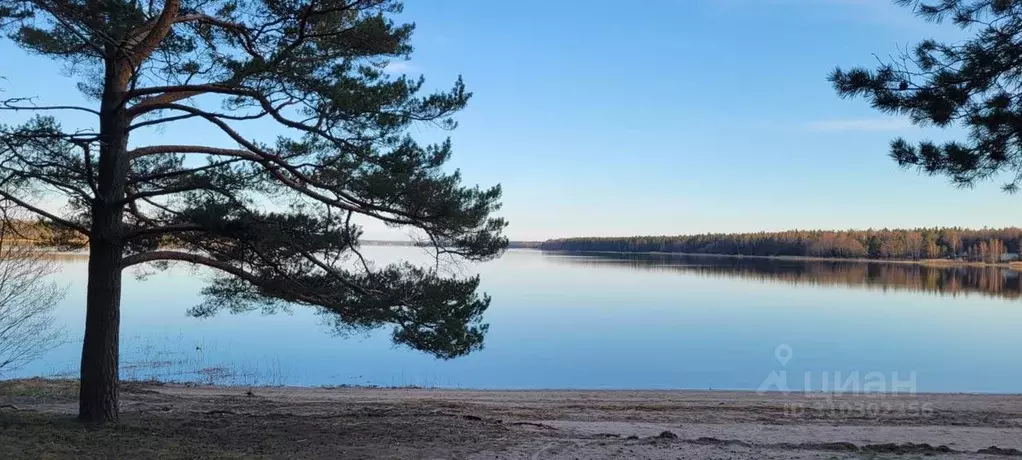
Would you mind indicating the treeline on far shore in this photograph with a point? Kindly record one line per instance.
(985, 245)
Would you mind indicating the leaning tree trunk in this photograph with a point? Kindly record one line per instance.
(99, 370)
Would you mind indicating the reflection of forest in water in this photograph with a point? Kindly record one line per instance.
(951, 280)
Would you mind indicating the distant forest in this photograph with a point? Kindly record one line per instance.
(987, 245)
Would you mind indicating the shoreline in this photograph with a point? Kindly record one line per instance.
(1014, 265)
(66, 380)
(185, 421)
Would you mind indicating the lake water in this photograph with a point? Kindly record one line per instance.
(607, 321)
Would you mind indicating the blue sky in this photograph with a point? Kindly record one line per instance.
(665, 116)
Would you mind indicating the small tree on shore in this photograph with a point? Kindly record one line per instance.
(27, 301)
(274, 218)
(974, 84)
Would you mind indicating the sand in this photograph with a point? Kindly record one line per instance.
(175, 421)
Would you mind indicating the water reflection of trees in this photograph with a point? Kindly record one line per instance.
(954, 280)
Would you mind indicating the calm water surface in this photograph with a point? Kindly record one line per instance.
(605, 321)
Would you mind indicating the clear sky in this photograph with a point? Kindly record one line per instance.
(665, 116)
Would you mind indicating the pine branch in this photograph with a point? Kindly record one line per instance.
(193, 258)
(164, 230)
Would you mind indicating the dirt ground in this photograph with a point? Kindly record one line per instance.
(173, 421)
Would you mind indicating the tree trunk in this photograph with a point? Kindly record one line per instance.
(100, 365)
(98, 395)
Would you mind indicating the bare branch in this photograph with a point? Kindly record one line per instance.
(165, 149)
(169, 94)
(159, 121)
(62, 222)
(27, 300)
(10, 104)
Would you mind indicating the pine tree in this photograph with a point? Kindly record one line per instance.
(275, 219)
(972, 84)
(996, 250)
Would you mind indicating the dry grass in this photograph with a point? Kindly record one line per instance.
(46, 436)
(38, 388)
(157, 426)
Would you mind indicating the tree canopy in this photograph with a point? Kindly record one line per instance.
(986, 245)
(275, 216)
(973, 84)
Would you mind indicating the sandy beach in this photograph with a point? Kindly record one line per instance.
(175, 421)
